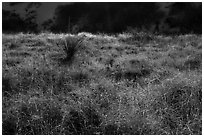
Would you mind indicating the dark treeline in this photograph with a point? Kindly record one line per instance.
(111, 18)
(105, 17)
(12, 22)
(186, 16)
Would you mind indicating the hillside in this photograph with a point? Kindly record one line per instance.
(131, 83)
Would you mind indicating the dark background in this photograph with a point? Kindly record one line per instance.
(102, 17)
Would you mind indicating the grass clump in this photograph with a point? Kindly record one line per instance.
(179, 107)
(71, 46)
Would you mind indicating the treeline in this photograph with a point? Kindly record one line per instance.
(111, 18)
(105, 17)
(13, 22)
(185, 16)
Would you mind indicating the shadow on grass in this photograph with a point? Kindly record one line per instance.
(46, 118)
(8, 87)
(85, 122)
(12, 62)
(131, 75)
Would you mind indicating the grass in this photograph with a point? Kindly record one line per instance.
(71, 46)
(131, 83)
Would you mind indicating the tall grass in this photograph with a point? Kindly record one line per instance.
(106, 91)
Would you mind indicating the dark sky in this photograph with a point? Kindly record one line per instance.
(46, 10)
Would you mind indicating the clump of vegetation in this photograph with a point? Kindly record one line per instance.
(71, 46)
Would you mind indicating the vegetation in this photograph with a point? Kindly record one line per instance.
(71, 46)
(107, 17)
(132, 83)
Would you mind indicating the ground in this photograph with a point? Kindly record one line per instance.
(130, 83)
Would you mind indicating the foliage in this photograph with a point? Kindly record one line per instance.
(71, 46)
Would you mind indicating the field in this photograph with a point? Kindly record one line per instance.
(132, 83)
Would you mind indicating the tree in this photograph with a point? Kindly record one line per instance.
(106, 17)
(12, 22)
(47, 25)
(186, 16)
(30, 20)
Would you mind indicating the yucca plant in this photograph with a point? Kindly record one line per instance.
(72, 45)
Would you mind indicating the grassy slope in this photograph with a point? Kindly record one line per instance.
(143, 84)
